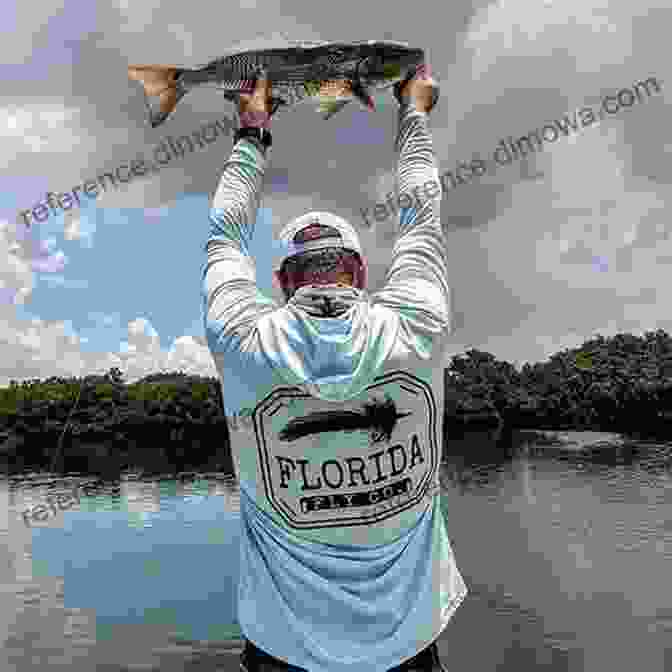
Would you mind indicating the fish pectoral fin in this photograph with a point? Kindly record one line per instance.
(329, 108)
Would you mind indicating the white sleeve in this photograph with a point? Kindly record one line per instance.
(416, 285)
(233, 303)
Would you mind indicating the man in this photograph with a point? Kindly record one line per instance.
(334, 403)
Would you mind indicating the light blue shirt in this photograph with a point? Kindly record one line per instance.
(336, 434)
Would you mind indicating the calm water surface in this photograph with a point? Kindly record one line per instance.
(569, 567)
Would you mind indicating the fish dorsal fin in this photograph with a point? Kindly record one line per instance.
(328, 108)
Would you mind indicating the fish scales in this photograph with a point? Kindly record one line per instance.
(333, 73)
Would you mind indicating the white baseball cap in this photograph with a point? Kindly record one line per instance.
(317, 231)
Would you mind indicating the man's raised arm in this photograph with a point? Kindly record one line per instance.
(232, 301)
(416, 284)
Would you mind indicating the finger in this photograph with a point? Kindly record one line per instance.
(424, 71)
(247, 87)
(259, 89)
(262, 84)
(263, 89)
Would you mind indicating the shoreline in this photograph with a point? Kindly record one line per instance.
(111, 450)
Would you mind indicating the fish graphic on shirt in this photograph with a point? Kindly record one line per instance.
(379, 417)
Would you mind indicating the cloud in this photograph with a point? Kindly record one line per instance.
(40, 128)
(142, 337)
(22, 249)
(36, 348)
(72, 228)
(78, 225)
(188, 355)
(141, 353)
(18, 41)
(16, 273)
(587, 235)
(40, 349)
(585, 35)
(541, 253)
(617, 219)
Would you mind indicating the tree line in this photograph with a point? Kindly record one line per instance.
(621, 383)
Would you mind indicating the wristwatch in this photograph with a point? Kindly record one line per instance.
(262, 135)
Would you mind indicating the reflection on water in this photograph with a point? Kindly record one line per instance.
(567, 563)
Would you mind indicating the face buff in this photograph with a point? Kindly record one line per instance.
(325, 300)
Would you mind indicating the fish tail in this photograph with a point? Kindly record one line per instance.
(162, 87)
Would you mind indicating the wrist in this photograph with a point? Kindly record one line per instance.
(261, 137)
(255, 119)
(409, 108)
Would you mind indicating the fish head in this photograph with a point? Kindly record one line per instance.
(389, 62)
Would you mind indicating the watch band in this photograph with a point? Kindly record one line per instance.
(263, 135)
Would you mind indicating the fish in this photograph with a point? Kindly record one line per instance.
(333, 73)
(378, 417)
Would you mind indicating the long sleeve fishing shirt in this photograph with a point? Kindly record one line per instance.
(336, 433)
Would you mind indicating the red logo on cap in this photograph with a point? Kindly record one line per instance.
(315, 232)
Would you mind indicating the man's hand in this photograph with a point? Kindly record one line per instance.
(422, 90)
(255, 107)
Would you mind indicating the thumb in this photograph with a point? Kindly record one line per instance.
(263, 85)
(255, 106)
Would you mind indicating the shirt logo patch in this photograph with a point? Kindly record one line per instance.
(361, 463)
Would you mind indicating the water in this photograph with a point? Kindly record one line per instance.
(568, 566)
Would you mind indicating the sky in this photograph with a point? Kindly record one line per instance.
(544, 251)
